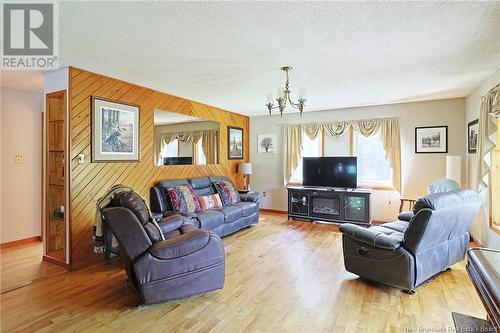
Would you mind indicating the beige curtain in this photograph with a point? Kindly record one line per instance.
(337, 128)
(490, 109)
(161, 141)
(388, 129)
(391, 138)
(292, 148)
(164, 139)
(209, 145)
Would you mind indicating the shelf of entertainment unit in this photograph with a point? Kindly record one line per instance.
(331, 205)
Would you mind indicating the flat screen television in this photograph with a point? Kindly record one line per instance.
(330, 172)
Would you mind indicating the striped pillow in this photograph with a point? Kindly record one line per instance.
(228, 194)
(210, 201)
(184, 199)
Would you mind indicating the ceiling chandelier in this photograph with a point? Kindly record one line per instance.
(283, 96)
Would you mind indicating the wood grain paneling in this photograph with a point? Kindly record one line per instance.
(90, 180)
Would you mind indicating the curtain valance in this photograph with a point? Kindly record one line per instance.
(387, 128)
(164, 139)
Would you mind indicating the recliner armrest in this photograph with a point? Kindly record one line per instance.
(172, 222)
(250, 197)
(370, 236)
(405, 216)
(180, 246)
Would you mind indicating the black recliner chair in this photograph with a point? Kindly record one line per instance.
(406, 254)
(189, 261)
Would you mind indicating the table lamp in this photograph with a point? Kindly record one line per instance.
(245, 169)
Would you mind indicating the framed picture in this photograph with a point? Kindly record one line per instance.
(472, 132)
(115, 131)
(234, 143)
(431, 139)
(267, 144)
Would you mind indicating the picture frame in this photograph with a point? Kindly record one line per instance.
(472, 134)
(235, 146)
(431, 140)
(267, 143)
(115, 131)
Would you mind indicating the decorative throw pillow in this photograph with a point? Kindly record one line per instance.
(210, 201)
(184, 199)
(228, 194)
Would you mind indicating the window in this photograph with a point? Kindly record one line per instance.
(199, 152)
(373, 168)
(171, 149)
(310, 148)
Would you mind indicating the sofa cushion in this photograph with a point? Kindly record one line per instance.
(231, 213)
(378, 236)
(209, 201)
(210, 219)
(228, 194)
(201, 185)
(184, 199)
(248, 208)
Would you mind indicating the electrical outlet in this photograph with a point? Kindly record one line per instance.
(81, 158)
(19, 159)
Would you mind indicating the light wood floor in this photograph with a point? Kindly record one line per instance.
(280, 276)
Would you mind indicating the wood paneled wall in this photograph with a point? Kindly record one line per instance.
(90, 180)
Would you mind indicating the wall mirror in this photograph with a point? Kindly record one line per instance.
(182, 140)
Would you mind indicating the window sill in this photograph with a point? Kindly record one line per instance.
(377, 187)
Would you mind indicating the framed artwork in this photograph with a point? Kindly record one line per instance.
(115, 131)
(431, 139)
(472, 132)
(267, 144)
(234, 143)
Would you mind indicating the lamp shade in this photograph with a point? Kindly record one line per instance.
(454, 168)
(245, 168)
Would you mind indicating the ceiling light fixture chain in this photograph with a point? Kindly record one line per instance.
(283, 96)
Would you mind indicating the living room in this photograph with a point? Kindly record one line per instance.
(153, 177)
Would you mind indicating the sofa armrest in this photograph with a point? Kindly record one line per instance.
(250, 197)
(180, 246)
(405, 216)
(370, 236)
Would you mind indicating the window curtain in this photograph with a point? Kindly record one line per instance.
(165, 138)
(292, 148)
(490, 110)
(209, 146)
(387, 128)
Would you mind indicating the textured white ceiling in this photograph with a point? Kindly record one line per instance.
(228, 54)
(162, 117)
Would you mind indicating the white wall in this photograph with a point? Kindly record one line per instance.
(418, 170)
(20, 190)
(480, 229)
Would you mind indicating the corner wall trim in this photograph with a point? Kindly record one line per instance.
(20, 242)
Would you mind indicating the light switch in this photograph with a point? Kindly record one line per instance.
(19, 159)
(81, 158)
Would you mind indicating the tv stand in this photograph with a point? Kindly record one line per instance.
(330, 205)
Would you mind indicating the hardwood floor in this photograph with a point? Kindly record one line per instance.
(280, 276)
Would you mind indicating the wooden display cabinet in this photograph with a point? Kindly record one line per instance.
(55, 180)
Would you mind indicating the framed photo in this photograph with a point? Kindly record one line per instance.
(115, 131)
(431, 139)
(472, 132)
(234, 143)
(267, 144)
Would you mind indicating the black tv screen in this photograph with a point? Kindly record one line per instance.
(330, 172)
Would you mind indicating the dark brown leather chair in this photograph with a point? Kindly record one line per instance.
(189, 261)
